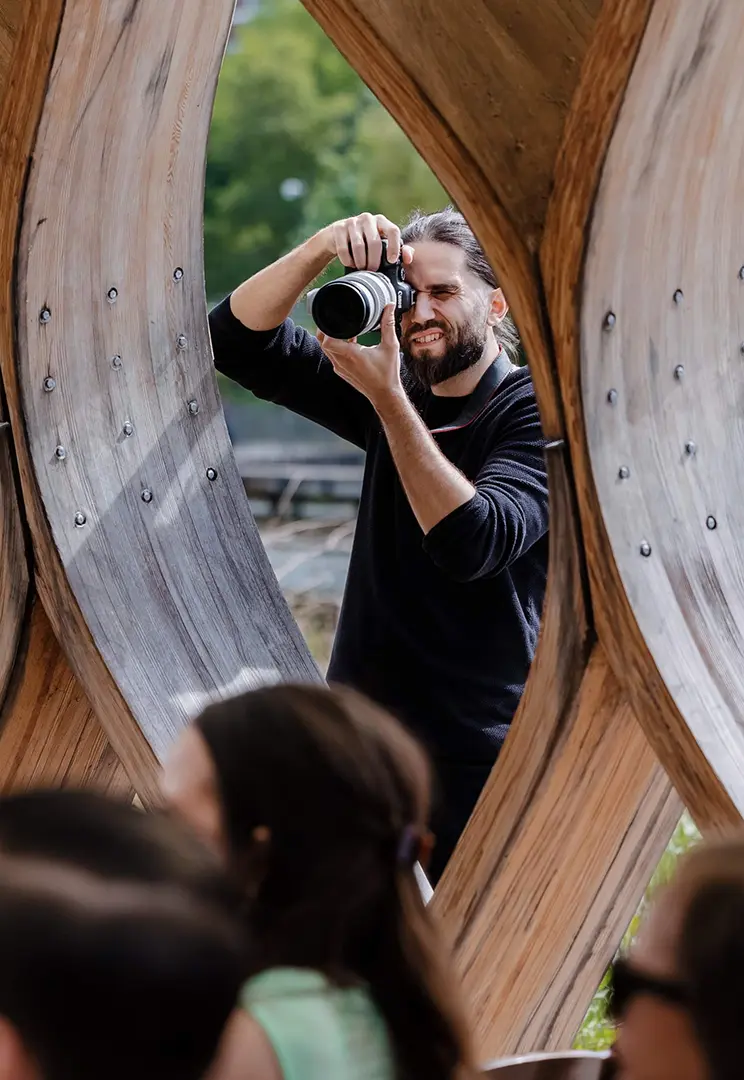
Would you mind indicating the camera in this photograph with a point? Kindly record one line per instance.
(353, 304)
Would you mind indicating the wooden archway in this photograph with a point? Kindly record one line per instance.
(580, 139)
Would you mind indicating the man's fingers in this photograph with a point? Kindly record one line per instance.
(357, 245)
(391, 232)
(406, 254)
(373, 241)
(341, 241)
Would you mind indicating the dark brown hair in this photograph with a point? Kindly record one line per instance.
(338, 782)
(448, 226)
(710, 950)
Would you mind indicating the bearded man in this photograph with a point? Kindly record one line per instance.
(442, 606)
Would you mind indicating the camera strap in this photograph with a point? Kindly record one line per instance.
(480, 397)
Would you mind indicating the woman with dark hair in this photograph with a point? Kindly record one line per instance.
(677, 997)
(319, 801)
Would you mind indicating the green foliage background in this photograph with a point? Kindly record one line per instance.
(289, 107)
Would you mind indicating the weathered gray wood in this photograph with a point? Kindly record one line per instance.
(161, 603)
(666, 252)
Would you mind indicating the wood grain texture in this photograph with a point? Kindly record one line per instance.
(562, 843)
(668, 217)
(165, 603)
(14, 575)
(529, 980)
(508, 68)
(49, 735)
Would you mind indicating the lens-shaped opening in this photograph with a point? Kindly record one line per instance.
(340, 310)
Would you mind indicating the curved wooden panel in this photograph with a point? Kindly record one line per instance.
(662, 391)
(49, 735)
(549, 870)
(151, 567)
(13, 566)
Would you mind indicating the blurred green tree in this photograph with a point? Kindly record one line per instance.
(297, 141)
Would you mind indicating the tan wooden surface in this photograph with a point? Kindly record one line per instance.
(49, 735)
(13, 564)
(166, 602)
(669, 217)
(532, 935)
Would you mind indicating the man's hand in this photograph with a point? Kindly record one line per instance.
(357, 241)
(373, 370)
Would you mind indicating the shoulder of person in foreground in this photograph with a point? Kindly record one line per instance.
(245, 1052)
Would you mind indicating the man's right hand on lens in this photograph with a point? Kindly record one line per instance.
(357, 241)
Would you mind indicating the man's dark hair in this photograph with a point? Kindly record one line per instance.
(113, 979)
(448, 226)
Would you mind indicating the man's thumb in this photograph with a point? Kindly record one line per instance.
(387, 326)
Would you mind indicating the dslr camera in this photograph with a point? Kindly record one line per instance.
(353, 304)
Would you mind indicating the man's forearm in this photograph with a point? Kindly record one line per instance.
(266, 300)
(433, 485)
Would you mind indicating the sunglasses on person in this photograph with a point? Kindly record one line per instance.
(626, 982)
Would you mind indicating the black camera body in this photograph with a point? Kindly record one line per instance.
(353, 304)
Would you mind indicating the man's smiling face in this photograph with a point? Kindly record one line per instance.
(447, 330)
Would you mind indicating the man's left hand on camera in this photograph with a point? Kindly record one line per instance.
(372, 370)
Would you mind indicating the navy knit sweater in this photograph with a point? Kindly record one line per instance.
(440, 628)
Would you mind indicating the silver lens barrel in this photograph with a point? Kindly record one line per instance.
(376, 291)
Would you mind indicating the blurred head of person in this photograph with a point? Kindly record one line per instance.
(110, 978)
(112, 838)
(319, 802)
(676, 996)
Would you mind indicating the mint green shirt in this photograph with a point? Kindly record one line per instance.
(319, 1031)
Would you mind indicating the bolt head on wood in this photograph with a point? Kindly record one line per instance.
(679, 371)
(178, 274)
(609, 320)
(116, 361)
(49, 384)
(612, 397)
(690, 448)
(645, 549)
(711, 522)
(112, 295)
(623, 472)
(193, 407)
(678, 296)
(60, 453)
(80, 519)
(146, 496)
(45, 315)
(181, 341)
(741, 273)
(211, 474)
(128, 428)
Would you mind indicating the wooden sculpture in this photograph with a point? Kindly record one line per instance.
(596, 150)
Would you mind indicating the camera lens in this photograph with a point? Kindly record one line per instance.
(339, 311)
(352, 305)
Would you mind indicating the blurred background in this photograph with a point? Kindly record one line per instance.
(297, 142)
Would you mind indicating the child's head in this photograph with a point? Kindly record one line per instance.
(319, 802)
(318, 799)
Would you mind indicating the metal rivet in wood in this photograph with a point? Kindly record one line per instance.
(609, 320)
(623, 472)
(211, 474)
(181, 341)
(679, 371)
(178, 274)
(146, 495)
(49, 384)
(612, 397)
(128, 428)
(45, 315)
(678, 296)
(60, 453)
(645, 549)
(711, 522)
(116, 362)
(112, 295)
(193, 407)
(80, 519)
(690, 448)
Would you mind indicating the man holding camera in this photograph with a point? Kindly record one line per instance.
(447, 575)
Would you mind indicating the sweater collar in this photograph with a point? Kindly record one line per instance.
(475, 403)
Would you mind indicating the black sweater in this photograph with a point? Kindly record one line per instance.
(439, 628)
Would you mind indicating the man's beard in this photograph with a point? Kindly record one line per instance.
(463, 349)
